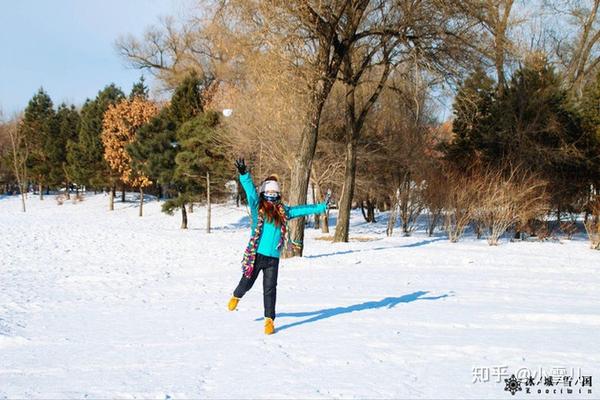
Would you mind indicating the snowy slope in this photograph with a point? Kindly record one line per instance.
(106, 304)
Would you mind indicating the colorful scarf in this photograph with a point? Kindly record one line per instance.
(250, 252)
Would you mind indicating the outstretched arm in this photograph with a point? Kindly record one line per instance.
(305, 209)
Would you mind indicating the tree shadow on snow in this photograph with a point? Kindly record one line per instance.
(416, 244)
(243, 222)
(388, 302)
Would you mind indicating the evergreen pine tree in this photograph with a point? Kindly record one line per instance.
(154, 149)
(531, 124)
(139, 89)
(67, 122)
(39, 130)
(473, 118)
(590, 111)
(538, 128)
(590, 106)
(199, 160)
(86, 155)
(186, 102)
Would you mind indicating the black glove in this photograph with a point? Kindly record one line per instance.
(241, 166)
(327, 199)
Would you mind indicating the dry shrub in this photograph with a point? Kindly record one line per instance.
(592, 223)
(535, 227)
(495, 198)
(329, 238)
(569, 228)
(78, 198)
(461, 202)
(60, 199)
(508, 196)
(434, 193)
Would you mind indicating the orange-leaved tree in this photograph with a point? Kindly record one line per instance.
(120, 124)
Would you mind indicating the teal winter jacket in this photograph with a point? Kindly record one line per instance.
(271, 234)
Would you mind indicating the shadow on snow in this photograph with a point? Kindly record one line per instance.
(387, 302)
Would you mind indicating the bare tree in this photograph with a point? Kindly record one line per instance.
(427, 35)
(334, 26)
(494, 16)
(577, 45)
(19, 153)
(170, 50)
(359, 59)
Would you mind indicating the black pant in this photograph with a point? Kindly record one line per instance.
(269, 266)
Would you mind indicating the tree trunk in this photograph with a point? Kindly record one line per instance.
(389, 231)
(301, 173)
(314, 200)
(23, 200)
(123, 194)
(191, 208)
(41, 187)
(21, 185)
(434, 218)
(342, 226)
(141, 201)
(239, 193)
(354, 120)
(328, 63)
(371, 210)
(367, 207)
(111, 198)
(207, 202)
(362, 211)
(183, 217)
(325, 222)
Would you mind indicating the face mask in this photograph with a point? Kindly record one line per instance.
(271, 198)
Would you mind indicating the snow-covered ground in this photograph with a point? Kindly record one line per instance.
(106, 304)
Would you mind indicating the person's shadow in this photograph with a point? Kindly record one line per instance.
(388, 302)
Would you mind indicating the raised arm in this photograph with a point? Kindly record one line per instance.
(248, 185)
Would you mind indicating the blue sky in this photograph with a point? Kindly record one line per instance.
(67, 46)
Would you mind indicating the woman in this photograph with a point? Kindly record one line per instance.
(269, 217)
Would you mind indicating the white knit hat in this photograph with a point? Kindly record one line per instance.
(269, 185)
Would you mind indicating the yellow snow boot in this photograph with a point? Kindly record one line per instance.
(269, 327)
(233, 302)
